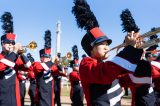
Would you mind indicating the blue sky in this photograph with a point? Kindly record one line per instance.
(33, 17)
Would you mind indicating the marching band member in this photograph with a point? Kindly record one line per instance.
(57, 83)
(144, 95)
(141, 78)
(99, 79)
(43, 72)
(156, 79)
(153, 58)
(22, 77)
(32, 87)
(139, 83)
(43, 76)
(10, 91)
(142, 92)
(76, 93)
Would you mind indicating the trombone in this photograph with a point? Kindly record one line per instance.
(146, 44)
(153, 51)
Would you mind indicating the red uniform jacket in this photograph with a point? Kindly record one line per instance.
(11, 62)
(73, 76)
(92, 71)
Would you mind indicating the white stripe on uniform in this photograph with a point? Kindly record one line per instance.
(10, 74)
(7, 62)
(124, 63)
(44, 66)
(142, 80)
(116, 99)
(155, 63)
(116, 87)
(28, 64)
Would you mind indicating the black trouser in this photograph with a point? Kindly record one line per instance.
(44, 91)
(143, 97)
(157, 96)
(57, 91)
(77, 97)
(32, 92)
(22, 91)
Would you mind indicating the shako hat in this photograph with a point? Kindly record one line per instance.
(86, 20)
(128, 22)
(7, 26)
(75, 61)
(46, 52)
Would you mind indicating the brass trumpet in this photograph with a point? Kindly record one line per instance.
(147, 43)
(32, 45)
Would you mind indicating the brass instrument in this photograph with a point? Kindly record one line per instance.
(65, 61)
(69, 55)
(147, 43)
(32, 45)
(153, 51)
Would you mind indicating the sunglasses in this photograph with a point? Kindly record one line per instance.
(9, 42)
(153, 55)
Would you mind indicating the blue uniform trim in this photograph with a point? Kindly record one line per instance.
(12, 57)
(24, 59)
(101, 39)
(124, 63)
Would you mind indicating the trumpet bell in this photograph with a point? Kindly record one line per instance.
(69, 55)
(32, 45)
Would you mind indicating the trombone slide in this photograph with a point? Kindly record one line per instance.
(146, 44)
